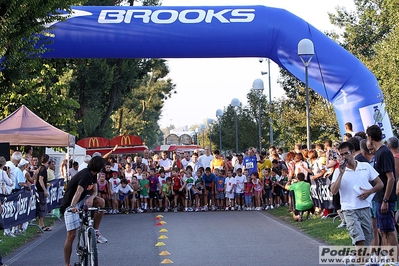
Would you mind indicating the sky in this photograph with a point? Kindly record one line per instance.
(207, 85)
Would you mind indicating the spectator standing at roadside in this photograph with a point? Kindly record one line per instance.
(194, 163)
(264, 163)
(83, 165)
(28, 149)
(239, 164)
(15, 173)
(206, 159)
(42, 194)
(218, 162)
(251, 161)
(73, 170)
(393, 145)
(50, 171)
(352, 180)
(186, 160)
(385, 199)
(5, 180)
(166, 163)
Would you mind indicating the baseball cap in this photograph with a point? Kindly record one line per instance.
(22, 162)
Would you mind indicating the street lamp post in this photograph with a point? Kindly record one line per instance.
(270, 97)
(196, 136)
(306, 52)
(210, 122)
(258, 88)
(236, 103)
(202, 127)
(219, 114)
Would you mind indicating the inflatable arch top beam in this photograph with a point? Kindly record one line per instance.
(226, 31)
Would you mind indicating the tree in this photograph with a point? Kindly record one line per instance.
(142, 107)
(370, 33)
(289, 115)
(24, 78)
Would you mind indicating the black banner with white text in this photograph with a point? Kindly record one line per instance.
(20, 206)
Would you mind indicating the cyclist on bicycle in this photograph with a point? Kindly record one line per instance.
(82, 190)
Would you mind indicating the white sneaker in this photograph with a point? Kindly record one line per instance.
(232, 209)
(278, 205)
(253, 208)
(185, 209)
(341, 225)
(239, 208)
(100, 238)
(271, 207)
(227, 208)
(139, 210)
(267, 207)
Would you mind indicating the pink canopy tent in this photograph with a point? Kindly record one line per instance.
(23, 127)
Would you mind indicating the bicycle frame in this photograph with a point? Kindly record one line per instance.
(86, 248)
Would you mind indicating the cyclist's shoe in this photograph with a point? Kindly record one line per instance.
(100, 238)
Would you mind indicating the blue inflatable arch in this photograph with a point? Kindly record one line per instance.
(226, 31)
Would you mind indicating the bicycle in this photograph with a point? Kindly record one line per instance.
(86, 248)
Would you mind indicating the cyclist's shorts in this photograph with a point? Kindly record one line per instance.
(72, 220)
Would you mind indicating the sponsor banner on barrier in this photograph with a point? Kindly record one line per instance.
(55, 189)
(20, 207)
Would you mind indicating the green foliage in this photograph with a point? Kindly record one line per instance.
(371, 33)
(143, 104)
(39, 84)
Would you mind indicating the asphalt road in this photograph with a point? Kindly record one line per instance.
(203, 238)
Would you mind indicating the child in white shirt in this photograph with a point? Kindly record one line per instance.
(113, 183)
(240, 181)
(230, 189)
(125, 192)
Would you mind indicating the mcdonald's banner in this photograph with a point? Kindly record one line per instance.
(20, 207)
(126, 140)
(94, 142)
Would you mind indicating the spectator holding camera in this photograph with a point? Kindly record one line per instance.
(6, 182)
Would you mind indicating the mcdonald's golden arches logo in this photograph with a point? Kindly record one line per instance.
(93, 142)
(125, 140)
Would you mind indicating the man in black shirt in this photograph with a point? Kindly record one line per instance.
(385, 199)
(82, 190)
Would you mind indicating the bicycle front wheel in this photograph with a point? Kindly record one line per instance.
(92, 248)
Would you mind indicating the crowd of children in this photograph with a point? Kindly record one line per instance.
(137, 191)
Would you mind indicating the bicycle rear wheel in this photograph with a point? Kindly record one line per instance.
(92, 250)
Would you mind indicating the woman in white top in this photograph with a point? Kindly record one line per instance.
(6, 183)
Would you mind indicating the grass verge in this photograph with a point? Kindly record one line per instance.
(8, 244)
(324, 230)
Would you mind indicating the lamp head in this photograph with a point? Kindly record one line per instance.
(235, 102)
(305, 51)
(219, 113)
